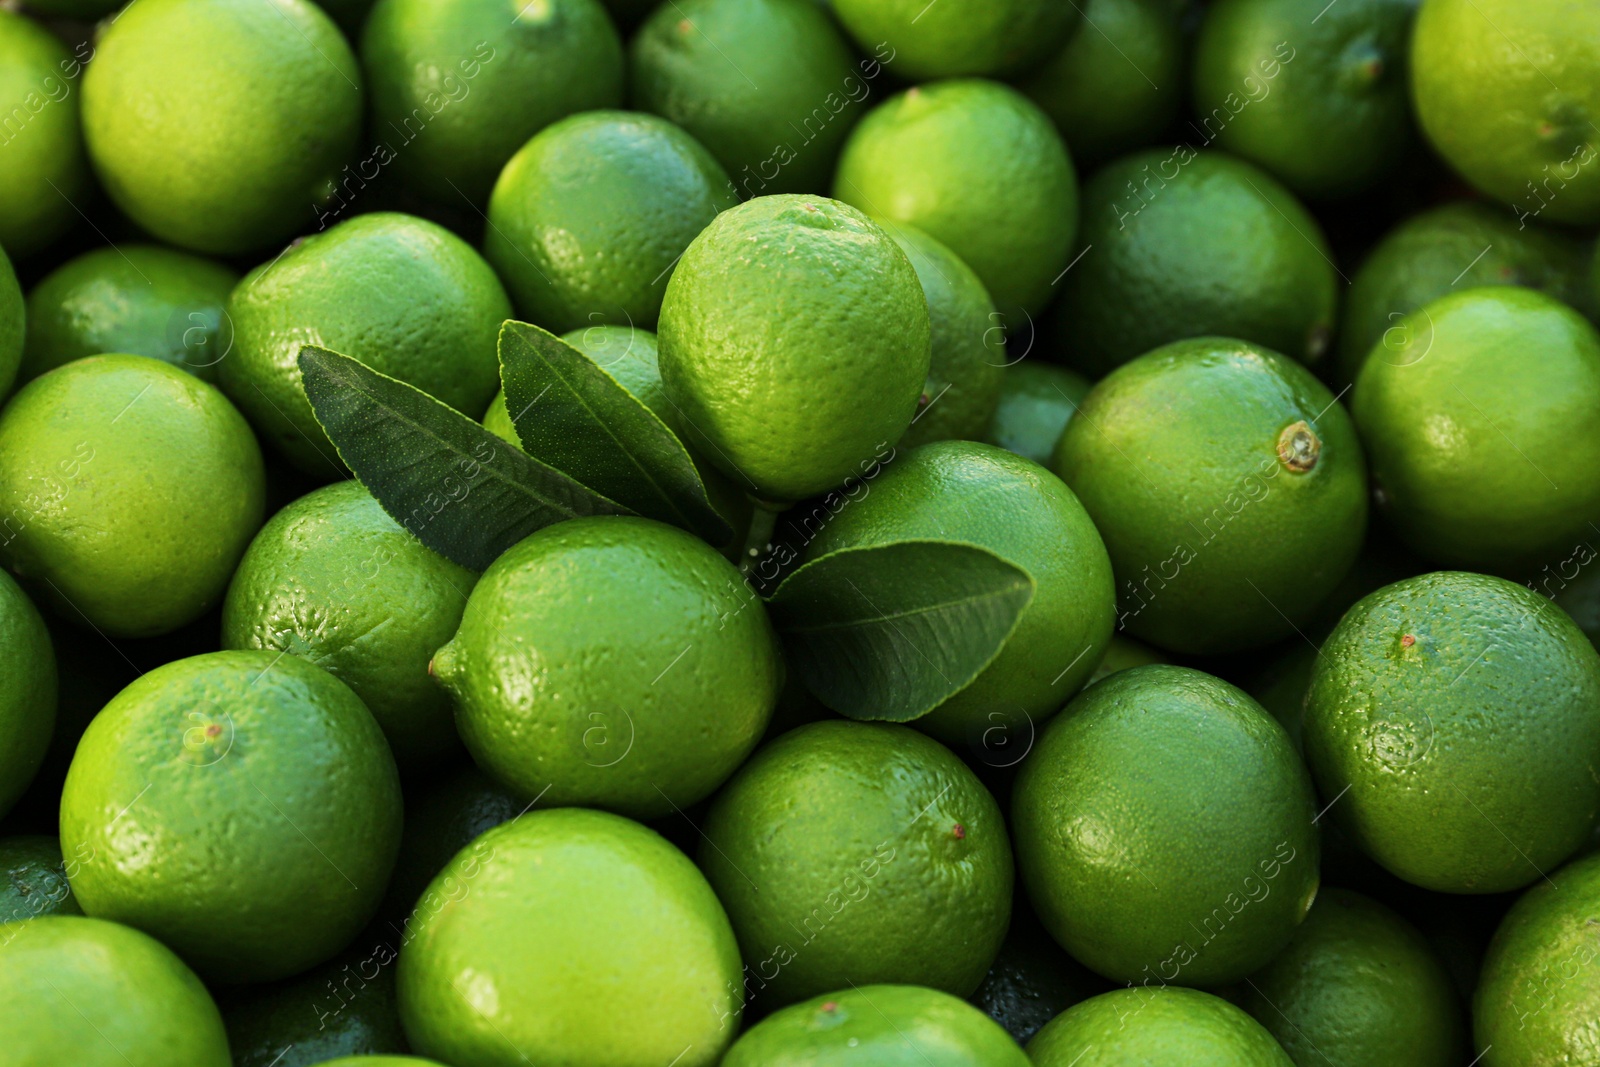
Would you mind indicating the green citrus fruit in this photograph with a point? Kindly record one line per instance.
(28, 696)
(977, 166)
(46, 174)
(333, 578)
(132, 489)
(1480, 413)
(1458, 718)
(613, 662)
(1163, 1024)
(139, 299)
(442, 819)
(220, 125)
(957, 38)
(13, 312)
(459, 85)
(1358, 985)
(1163, 828)
(572, 937)
(851, 853)
(840, 302)
(1508, 93)
(1230, 489)
(241, 806)
(768, 86)
(33, 880)
(1037, 400)
(877, 1026)
(982, 495)
(95, 994)
(404, 296)
(1124, 653)
(589, 218)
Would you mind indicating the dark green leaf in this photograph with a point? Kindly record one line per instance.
(461, 490)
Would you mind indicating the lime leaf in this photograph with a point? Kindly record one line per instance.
(457, 487)
(889, 632)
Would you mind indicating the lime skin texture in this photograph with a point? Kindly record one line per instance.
(569, 938)
(1458, 718)
(851, 853)
(98, 994)
(877, 1026)
(459, 85)
(1155, 1024)
(12, 329)
(987, 38)
(1163, 829)
(47, 171)
(334, 579)
(266, 820)
(614, 662)
(28, 698)
(1229, 486)
(1037, 400)
(129, 489)
(981, 495)
(33, 880)
(1480, 413)
(403, 295)
(219, 125)
(789, 395)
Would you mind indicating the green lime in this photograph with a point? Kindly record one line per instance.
(1314, 93)
(46, 171)
(839, 302)
(977, 166)
(442, 818)
(613, 662)
(139, 299)
(982, 495)
(221, 125)
(1160, 1024)
(1508, 92)
(1164, 829)
(1032, 980)
(852, 853)
(403, 295)
(333, 578)
(770, 87)
(33, 880)
(1230, 489)
(28, 697)
(571, 937)
(956, 38)
(1124, 653)
(459, 85)
(877, 1026)
(1480, 413)
(95, 994)
(13, 313)
(241, 806)
(1187, 244)
(1454, 715)
(589, 218)
(1037, 400)
(1358, 985)
(131, 490)
(1118, 83)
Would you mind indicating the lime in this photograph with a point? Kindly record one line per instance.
(1124, 653)
(28, 697)
(12, 329)
(840, 302)
(333, 578)
(1162, 805)
(220, 125)
(571, 937)
(1160, 1024)
(1508, 93)
(613, 662)
(1037, 400)
(1358, 985)
(959, 37)
(442, 818)
(877, 1026)
(241, 806)
(589, 218)
(1230, 489)
(33, 880)
(132, 488)
(769, 86)
(977, 166)
(404, 296)
(851, 853)
(139, 299)
(1480, 413)
(46, 172)
(458, 85)
(982, 495)
(1457, 716)
(95, 994)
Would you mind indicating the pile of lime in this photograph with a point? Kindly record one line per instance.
(800, 533)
